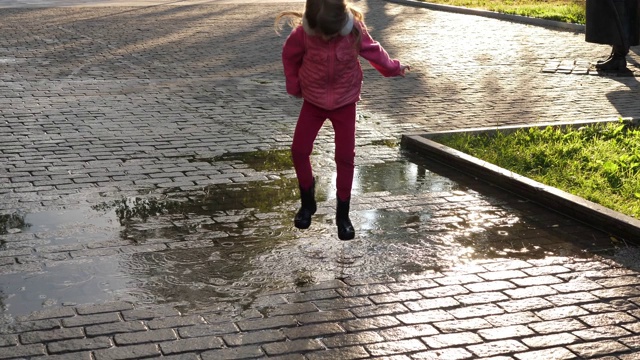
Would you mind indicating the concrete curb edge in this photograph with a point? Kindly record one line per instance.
(585, 211)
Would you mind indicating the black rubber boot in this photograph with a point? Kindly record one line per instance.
(345, 228)
(605, 60)
(617, 61)
(307, 209)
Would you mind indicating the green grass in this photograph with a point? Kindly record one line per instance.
(599, 162)
(570, 11)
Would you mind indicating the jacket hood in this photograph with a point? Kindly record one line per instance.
(346, 29)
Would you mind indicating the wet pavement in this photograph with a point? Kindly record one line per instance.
(147, 194)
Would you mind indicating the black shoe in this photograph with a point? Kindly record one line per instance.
(605, 60)
(615, 63)
(345, 228)
(307, 209)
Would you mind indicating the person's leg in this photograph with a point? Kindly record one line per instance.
(344, 125)
(620, 48)
(309, 123)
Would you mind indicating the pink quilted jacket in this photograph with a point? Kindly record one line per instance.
(328, 73)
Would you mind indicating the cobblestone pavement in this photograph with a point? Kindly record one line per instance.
(136, 222)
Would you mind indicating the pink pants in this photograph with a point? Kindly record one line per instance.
(309, 123)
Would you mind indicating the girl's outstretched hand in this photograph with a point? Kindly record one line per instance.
(404, 69)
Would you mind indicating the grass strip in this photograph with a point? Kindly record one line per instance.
(570, 11)
(599, 162)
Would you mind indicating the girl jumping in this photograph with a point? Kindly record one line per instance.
(321, 66)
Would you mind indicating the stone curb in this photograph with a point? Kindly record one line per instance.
(585, 211)
(492, 14)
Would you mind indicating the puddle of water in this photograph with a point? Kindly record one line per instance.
(219, 248)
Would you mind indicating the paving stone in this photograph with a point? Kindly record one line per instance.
(531, 291)
(550, 340)
(602, 332)
(115, 328)
(597, 348)
(562, 325)
(376, 310)
(571, 299)
(494, 348)
(424, 317)
(546, 270)
(576, 285)
(481, 298)
(313, 296)
(475, 310)
(69, 356)
(443, 291)
(406, 332)
(103, 308)
(151, 336)
(611, 318)
(12, 352)
(351, 339)
(632, 342)
(192, 344)
(148, 314)
(52, 313)
(462, 325)
(526, 304)
(176, 321)
(379, 322)
(333, 304)
(207, 330)
(458, 280)
(127, 352)
(79, 345)
(443, 354)
(553, 353)
(313, 331)
(243, 352)
(537, 280)
(27, 326)
(395, 297)
(353, 352)
(255, 337)
(50, 335)
(613, 293)
(292, 309)
(333, 315)
(505, 332)
(561, 312)
(295, 346)
(395, 347)
(90, 319)
(490, 286)
(451, 340)
(8, 340)
(412, 285)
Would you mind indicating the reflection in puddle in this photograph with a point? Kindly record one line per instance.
(221, 247)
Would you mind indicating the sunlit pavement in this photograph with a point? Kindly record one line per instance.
(147, 202)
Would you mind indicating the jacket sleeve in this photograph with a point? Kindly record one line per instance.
(376, 55)
(292, 53)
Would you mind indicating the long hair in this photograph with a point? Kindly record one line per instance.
(324, 16)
